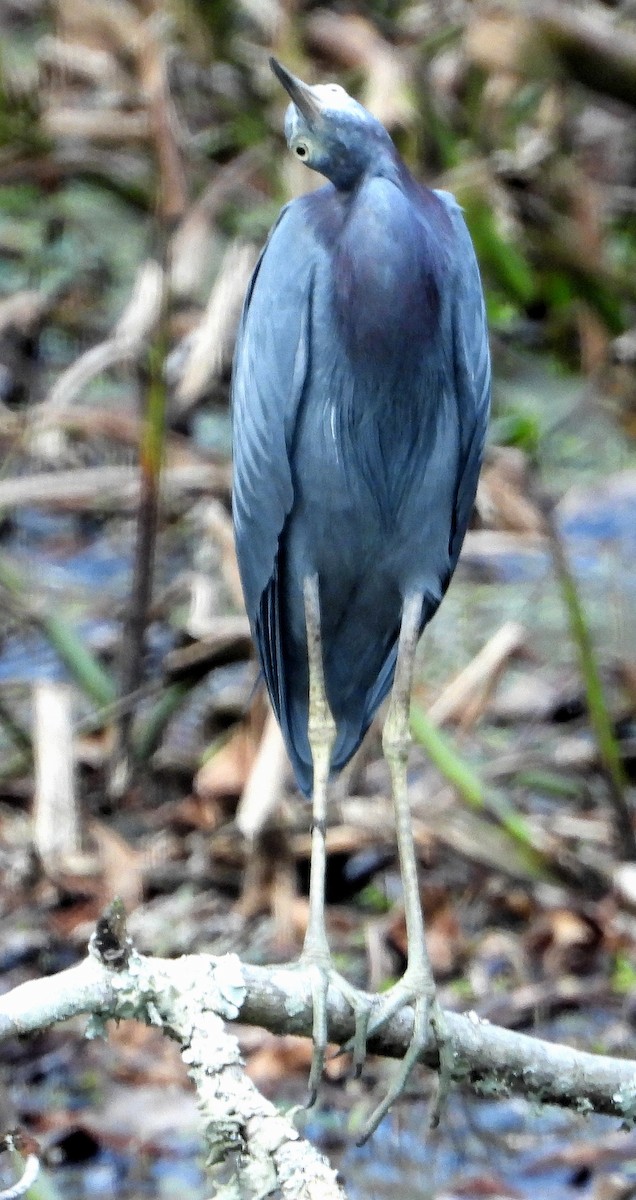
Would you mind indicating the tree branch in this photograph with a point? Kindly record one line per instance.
(190, 996)
(189, 999)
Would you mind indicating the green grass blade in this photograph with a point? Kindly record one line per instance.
(82, 665)
(467, 783)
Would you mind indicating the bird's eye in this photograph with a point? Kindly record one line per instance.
(301, 150)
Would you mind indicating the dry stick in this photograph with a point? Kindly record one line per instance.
(115, 488)
(124, 344)
(192, 241)
(597, 707)
(264, 785)
(210, 346)
(56, 823)
(479, 677)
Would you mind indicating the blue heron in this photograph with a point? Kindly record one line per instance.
(361, 391)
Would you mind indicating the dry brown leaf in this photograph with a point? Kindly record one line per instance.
(144, 1055)
(121, 867)
(279, 1057)
(502, 499)
(566, 941)
(443, 939)
(481, 1187)
(225, 774)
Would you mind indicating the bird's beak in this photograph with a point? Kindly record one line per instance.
(302, 95)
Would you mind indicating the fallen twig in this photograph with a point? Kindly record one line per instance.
(210, 344)
(128, 339)
(56, 824)
(114, 487)
(466, 693)
(594, 51)
(264, 786)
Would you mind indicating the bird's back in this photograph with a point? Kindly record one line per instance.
(367, 445)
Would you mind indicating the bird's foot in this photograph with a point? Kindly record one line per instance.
(323, 976)
(428, 1017)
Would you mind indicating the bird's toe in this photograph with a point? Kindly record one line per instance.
(322, 976)
(428, 1020)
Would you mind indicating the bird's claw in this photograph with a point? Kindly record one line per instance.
(323, 976)
(427, 1016)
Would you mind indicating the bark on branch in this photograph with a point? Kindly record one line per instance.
(191, 996)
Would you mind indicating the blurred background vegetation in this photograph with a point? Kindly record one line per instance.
(524, 110)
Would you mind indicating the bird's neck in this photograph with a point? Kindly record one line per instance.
(385, 165)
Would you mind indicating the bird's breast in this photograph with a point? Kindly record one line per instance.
(387, 276)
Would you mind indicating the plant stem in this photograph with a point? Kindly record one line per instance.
(600, 720)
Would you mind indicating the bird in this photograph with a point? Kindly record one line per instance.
(360, 398)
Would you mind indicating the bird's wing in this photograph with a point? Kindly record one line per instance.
(270, 366)
(270, 370)
(471, 371)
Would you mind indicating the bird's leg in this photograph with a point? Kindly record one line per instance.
(315, 953)
(417, 986)
(322, 735)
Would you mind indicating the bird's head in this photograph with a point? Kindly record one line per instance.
(330, 131)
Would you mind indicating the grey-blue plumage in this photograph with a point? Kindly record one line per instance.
(361, 391)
